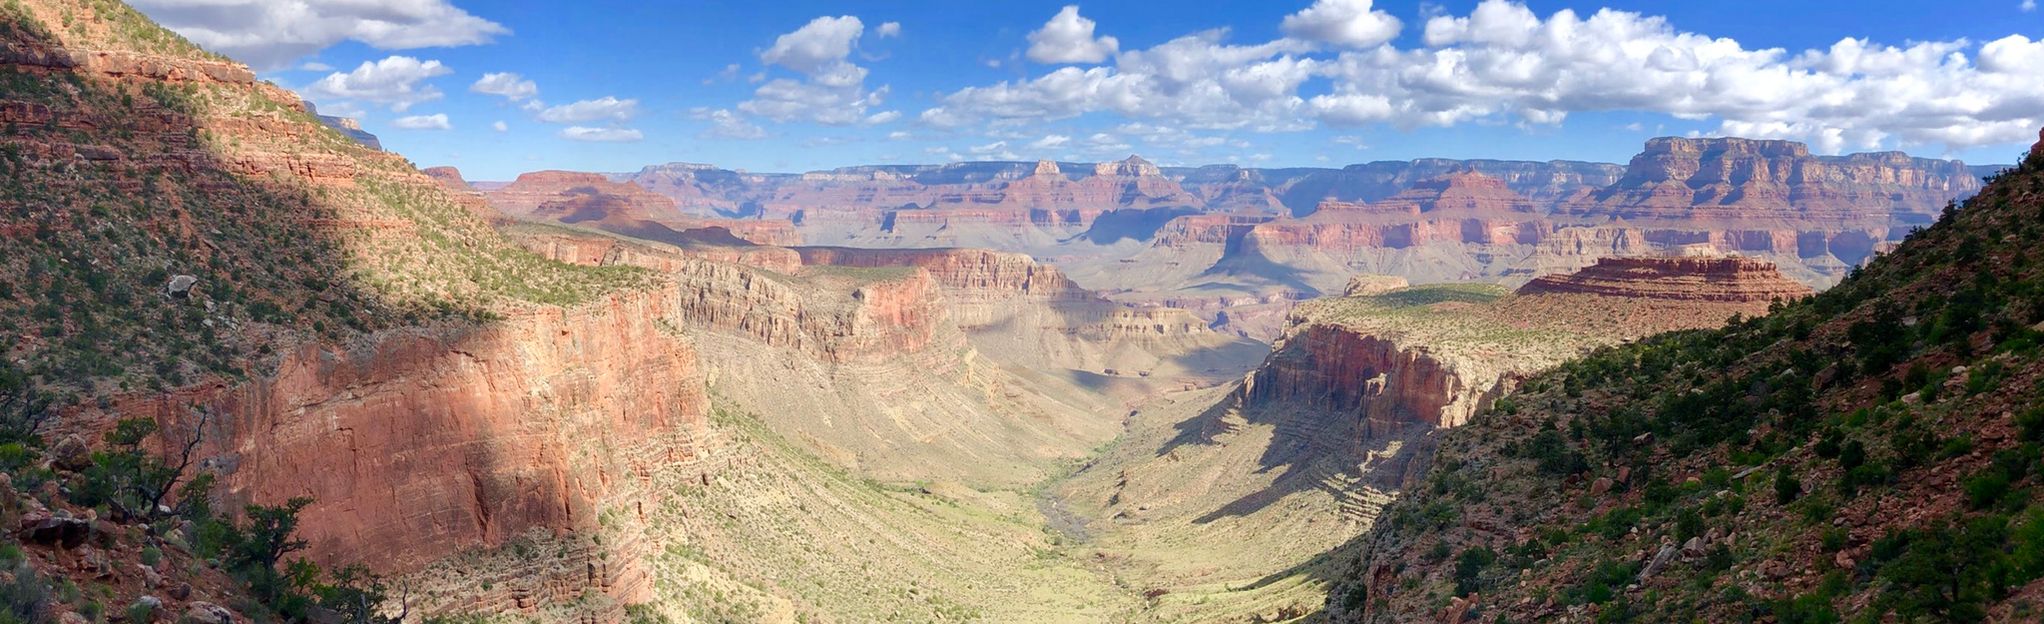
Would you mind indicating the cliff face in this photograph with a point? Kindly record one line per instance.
(966, 270)
(593, 200)
(1746, 180)
(357, 333)
(712, 244)
(1387, 385)
(1544, 183)
(1723, 279)
(420, 444)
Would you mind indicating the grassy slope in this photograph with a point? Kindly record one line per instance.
(1833, 461)
(93, 242)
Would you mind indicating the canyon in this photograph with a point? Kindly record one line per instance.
(973, 392)
(1238, 246)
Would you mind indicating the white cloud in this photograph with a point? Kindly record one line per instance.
(507, 85)
(607, 108)
(1352, 23)
(832, 90)
(1068, 38)
(500, 126)
(1197, 79)
(269, 34)
(898, 135)
(725, 124)
(436, 121)
(315, 66)
(819, 49)
(1052, 141)
(2028, 6)
(1503, 64)
(397, 81)
(997, 150)
(888, 29)
(604, 135)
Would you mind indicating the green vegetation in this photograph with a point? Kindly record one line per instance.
(271, 258)
(1785, 430)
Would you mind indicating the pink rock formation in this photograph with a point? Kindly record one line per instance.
(1718, 279)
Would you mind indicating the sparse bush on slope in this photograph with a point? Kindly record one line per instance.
(1866, 455)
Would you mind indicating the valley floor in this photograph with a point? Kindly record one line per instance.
(774, 533)
(760, 529)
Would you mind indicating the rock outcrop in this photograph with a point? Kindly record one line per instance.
(1718, 279)
(1731, 180)
(966, 270)
(1371, 285)
(420, 444)
(593, 200)
(347, 126)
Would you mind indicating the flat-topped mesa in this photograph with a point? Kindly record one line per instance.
(1047, 168)
(1733, 179)
(1724, 279)
(1206, 229)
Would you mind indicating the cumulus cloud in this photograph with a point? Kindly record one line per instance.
(888, 29)
(832, 89)
(507, 85)
(437, 121)
(1052, 141)
(601, 135)
(1502, 63)
(607, 108)
(725, 124)
(1198, 79)
(397, 81)
(1352, 23)
(269, 35)
(819, 49)
(1068, 38)
(2028, 6)
(500, 126)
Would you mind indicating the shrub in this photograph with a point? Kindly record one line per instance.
(1983, 490)
(1786, 487)
(1469, 568)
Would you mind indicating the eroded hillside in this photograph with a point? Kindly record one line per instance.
(1868, 454)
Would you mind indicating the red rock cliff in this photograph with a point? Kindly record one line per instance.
(420, 444)
(1720, 279)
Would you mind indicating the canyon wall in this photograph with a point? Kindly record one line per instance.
(1718, 279)
(594, 201)
(418, 445)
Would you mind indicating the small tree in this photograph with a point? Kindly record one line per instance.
(256, 547)
(358, 596)
(134, 483)
(23, 408)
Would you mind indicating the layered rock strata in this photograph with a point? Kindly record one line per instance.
(1718, 279)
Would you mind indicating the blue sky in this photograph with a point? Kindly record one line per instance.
(794, 86)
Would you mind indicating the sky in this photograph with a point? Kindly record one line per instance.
(500, 87)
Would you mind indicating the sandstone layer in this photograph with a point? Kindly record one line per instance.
(1720, 279)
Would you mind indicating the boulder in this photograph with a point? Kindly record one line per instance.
(1659, 561)
(180, 286)
(208, 613)
(71, 453)
(43, 528)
